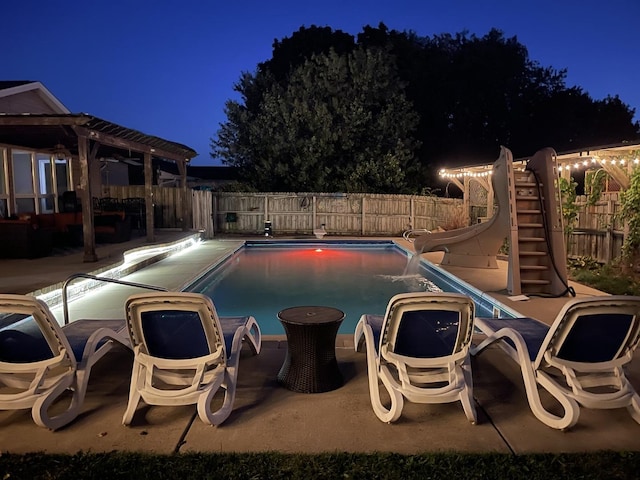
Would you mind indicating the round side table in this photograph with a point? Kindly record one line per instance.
(310, 365)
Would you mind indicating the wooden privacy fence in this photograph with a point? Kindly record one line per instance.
(597, 233)
(167, 203)
(355, 214)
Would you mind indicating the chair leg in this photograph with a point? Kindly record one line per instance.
(387, 415)
(532, 379)
(137, 375)
(228, 381)
(634, 407)
(253, 335)
(466, 395)
(204, 401)
(42, 404)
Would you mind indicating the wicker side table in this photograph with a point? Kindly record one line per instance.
(310, 365)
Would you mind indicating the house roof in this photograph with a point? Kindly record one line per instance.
(16, 87)
(44, 131)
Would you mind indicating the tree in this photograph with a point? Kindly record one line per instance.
(340, 123)
(470, 94)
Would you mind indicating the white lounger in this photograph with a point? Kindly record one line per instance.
(579, 359)
(41, 360)
(184, 352)
(419, 350)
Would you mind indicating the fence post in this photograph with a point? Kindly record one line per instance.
(608, 238)
(363, 214)
(412, 214)
(266, 210)
(313, 214)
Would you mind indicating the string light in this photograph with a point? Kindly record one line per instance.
(629, 158)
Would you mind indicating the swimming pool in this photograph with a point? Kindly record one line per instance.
(264, 277)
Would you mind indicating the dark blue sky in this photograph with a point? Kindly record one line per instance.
(166, 67)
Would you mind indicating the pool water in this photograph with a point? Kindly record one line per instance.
(262, 279)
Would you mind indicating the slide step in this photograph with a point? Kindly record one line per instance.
(530, 239)
(535, 282)
(532, 254)
(530, 225)
(528, 212)
(534, 267)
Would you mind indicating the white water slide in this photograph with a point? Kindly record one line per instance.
(528, 215)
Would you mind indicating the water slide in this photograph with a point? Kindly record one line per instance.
(476, 246)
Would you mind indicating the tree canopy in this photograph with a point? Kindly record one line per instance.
(329, 112)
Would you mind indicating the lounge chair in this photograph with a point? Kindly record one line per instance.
(419, 350)
(39, 360)
(184, 353)
(579, 360)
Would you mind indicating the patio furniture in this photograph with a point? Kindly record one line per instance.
(310, 365)
(579, 360)
(24, 239)
(40, 361)
(419, 350)
(184, 353)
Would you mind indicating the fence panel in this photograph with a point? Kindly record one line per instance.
(597, 232)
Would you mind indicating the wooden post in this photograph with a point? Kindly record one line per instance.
(86, 200)
(313, 215)
(148, 197)
(182, 168)
(364, 215)
(266, 213)
(412, 214)
(466, 199)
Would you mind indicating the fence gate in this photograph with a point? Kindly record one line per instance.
(202, 207)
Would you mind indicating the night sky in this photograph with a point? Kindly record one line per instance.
(166, 68)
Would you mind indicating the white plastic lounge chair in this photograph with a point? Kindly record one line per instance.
(39, 360)
(420, 350)
(183, 353)
(578, 360)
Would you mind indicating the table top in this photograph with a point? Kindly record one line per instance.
(310, 315)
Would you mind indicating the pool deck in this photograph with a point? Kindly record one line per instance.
(267, 417)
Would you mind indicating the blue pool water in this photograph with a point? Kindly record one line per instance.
(356, 277)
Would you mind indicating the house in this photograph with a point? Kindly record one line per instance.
(45, 151)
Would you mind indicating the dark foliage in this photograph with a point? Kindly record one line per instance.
(472, 94)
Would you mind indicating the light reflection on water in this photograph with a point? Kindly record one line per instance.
(263, 281)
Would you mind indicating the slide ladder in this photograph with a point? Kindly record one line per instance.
(537, 255)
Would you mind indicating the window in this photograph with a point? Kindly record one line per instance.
(39, 180)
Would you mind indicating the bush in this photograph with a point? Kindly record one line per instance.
(611, 278)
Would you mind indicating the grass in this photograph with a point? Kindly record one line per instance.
(274, 466)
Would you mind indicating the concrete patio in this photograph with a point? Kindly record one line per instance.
(267, 417)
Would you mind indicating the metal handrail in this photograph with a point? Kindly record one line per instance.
(65, 302)
(407, 234)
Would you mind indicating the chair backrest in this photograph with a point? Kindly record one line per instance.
(428, 324)
(593, 330)
(174, 325)
(30, 333)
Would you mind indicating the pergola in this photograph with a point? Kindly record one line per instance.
(84, 140)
